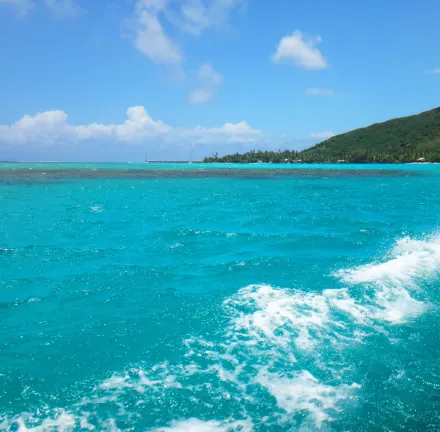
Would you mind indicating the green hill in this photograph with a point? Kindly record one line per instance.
(406, 139)
(398, 140)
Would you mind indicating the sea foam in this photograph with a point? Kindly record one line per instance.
(59, 420)
(304, 393)
(196, 425)
(282, 349)
(393, 281)
(408, 261)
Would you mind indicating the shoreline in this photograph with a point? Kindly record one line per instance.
(218, 163)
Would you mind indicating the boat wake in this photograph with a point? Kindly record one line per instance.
(283, 360)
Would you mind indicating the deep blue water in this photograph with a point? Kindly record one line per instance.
(286, 303)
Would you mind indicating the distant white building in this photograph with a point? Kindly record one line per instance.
(421, 160)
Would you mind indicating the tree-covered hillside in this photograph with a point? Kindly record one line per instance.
(406, 139)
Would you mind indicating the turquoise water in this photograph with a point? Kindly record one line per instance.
(267, 303)
(195, 166)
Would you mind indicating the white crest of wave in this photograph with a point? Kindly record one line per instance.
(409, 262)
(286, 345)
(304, 392)
(58, 421)
(139, 380)
(271, 326)
(196, 425)
(267, 327)
(280, 316)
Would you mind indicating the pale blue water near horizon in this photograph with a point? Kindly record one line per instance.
(295, 302)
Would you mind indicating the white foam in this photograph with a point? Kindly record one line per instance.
(59, 421)
(280, 344)
(409, 260)
(273, 326)
(304, 393)
(96, 209)
(34, 300)
(280, 316)
(196, 425)
(140, 380)
(176, 245)
(116, 382)
(392, 280)
(268, 326)
(396, 305)
(340, 299)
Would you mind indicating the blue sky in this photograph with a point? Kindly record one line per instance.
(108, 80)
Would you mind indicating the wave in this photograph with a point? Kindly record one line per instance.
(408, 261)
(284, 357)
(305, 393)
(59, 420)
(391, 282)
(196, 425)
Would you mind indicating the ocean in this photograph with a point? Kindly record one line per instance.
(172, 298)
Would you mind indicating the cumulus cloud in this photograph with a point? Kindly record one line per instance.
(52, 128)
(300, 50)
(63, 8)
(22, 7)
(322, 135)
(46, 127)
(320, 92)
(208, 80)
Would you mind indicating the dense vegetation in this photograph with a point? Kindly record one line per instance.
(406, 139)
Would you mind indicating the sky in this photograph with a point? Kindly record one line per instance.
(84, 80)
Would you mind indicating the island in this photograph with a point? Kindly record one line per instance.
(403, 140)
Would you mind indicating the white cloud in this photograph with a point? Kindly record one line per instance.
(195, 16)
(238, 129)
(208, 80)
(21, 6)
(53, 128)
(208, 76)
(158, 5)
(200, 96)
(190, 16)
(63, 8)
(60, 8)
(45, 127)
(322, 135)
(300, 50)
(320, 92)
(242, 140)
(151, 38)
